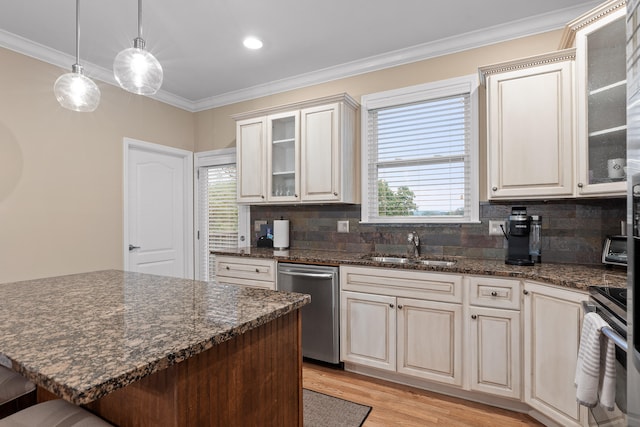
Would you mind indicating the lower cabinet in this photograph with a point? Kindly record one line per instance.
(368, 329)
(429, 340)
(552, 323)
(393, 331)
(505, 338)
(494, 351)
(246, 271)
(494, 339)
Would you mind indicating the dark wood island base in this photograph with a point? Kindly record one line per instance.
(252, 379)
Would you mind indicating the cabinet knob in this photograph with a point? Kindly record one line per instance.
(399, 306)
(580, 185)
(494, 188)
(295, 195)
(391, 305)
(262, 196)
(474, 317)
(335, 193)
(494, 294)
(257, 270)
(227, 267)
(526, 292)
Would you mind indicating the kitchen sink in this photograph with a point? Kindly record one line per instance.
(436, 262)
(391, 259)
(404, 260)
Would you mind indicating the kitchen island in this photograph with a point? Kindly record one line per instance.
(148, 350)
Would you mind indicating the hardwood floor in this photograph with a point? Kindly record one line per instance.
(399, 405)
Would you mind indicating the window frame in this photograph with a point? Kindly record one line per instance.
(468, 84)
(226, 156)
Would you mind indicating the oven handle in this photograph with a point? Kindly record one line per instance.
(607, 330)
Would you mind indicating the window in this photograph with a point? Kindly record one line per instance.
(221, 222)
(420, 159)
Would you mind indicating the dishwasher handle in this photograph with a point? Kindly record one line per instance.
(311, 275)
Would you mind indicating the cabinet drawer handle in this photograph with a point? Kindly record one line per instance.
(474, 317)
(227, 267)
(526, 292)
(494, 294)
(391, 305)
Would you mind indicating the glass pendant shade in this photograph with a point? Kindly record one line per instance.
(76, 92)
(137, 70)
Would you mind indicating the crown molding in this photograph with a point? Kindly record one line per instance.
(512, 30)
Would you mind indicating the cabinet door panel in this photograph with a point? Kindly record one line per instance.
(530, 132)
(251, 160)
(552, 338)
(495, 351)
(320, 153)
(368, 325)
(430, 340)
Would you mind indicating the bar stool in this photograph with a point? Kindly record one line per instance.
(54, 413)
(16, 392)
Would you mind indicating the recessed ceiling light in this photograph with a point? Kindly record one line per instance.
(252, 43)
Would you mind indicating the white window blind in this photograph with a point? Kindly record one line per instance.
(420, 164)
(218, 214)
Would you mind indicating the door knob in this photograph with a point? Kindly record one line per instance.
(131, 247)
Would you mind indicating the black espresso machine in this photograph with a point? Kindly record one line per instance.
(523, 237)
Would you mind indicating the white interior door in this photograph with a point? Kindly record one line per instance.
(158, 209)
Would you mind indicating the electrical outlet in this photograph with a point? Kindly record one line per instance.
(494, 228)
(343, 226)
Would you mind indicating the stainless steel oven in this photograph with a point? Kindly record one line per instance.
(611, 304)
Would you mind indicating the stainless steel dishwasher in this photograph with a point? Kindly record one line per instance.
(320, 318)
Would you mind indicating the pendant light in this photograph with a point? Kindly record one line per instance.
(135, 69)
(74, 90)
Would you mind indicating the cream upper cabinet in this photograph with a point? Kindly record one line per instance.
(283, 161)
(328, 153)
(552, 327)
(251, 156)
(304, 152)
(601, 131)
(530, 127)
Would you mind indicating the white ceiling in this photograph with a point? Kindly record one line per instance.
(199, 42)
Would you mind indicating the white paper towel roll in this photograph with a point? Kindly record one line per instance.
(280, 233)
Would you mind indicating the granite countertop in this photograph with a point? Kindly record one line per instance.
(566, 275)
(85, 335)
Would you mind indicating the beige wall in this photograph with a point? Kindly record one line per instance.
(61, 188)
(61, 172)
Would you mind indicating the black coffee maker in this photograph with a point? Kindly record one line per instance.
(518, 238)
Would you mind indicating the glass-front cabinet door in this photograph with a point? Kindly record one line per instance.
(601, 104)
(284, 159)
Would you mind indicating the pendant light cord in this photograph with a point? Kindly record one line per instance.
(77, 31)
(140, 19)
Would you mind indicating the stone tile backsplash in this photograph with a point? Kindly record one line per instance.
(572, 230)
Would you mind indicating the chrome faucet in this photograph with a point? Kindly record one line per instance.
(413, 249)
